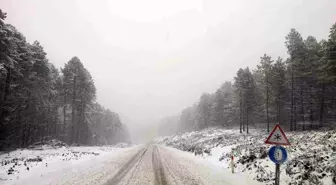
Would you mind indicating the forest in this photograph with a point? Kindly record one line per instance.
(39, 102)
(298, 92)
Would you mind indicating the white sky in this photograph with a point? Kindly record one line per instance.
(152, 58)
(151, 10)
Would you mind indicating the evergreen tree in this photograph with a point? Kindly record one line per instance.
(239, 84)
(298, 90)
(265, 70)
(205, 111)
(223, 104)
(298, 54)
(278, 91)
(33, 91)
(79, 87)
(327, 75)
(249, 96)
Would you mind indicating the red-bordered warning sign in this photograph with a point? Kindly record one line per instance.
(277, 137)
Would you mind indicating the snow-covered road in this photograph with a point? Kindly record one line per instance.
(158, 165)
(139, 165)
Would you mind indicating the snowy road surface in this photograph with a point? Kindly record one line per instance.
(141, 165)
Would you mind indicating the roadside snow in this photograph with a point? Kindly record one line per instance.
(311, 160)
(194, 170)
(47, 165)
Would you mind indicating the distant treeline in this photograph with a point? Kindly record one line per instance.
(298, 92)
(38, 102)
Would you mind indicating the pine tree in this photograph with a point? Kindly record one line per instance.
(249, 96)
(311, 76)
(32, 91)
(278, 88)
(298, 90)
(327, 74)
(239, 84)
(265, 70)
(78, 85)
(205, 111)
(298, 55)
(222, 104)
(329, 58)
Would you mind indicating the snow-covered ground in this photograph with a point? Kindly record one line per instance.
(311, 160)
(137, 165)
(45, 164)
(194, 171)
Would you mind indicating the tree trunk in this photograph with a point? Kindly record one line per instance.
(247, 120)
(278, 108)
(322, 106)
(292, 101)
(31, 131)
(241, 112)
(22, 130)
(3, 111)
(64, 115)
(302, 112)
(332, 107)
(73, 134)
(311, 107)
(41, 130)
(23, 136)
(49, 120)
(81, 123)
(278, 100)
(78, 131)
(84, 135)
(267, 108)
(244, 121)
(4, 96)
(294, 116)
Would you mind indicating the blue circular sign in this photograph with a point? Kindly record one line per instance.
(277, 154)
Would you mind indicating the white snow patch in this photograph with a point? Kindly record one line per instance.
(214, 171)
(56, 165)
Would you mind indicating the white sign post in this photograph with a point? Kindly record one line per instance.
(232, 163)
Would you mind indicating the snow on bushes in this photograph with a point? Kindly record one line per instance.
(311, 160)
(54, 143)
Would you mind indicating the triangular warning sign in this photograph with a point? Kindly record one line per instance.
(277, 137)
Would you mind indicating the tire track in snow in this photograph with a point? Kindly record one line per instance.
(135, 170)
(160, 178)
(126, 168)
(173, 170)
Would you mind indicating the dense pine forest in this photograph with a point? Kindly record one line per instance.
(298, 92)
(39, 102)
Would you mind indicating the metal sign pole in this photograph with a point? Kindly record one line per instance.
(277, 174)
(277, 154)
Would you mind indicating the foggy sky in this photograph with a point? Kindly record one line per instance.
(152, 58)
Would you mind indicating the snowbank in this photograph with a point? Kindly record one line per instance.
(45, 163)
(312, 155)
